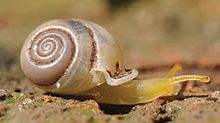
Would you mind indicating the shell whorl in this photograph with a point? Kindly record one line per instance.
(49, 52)
(72, 56)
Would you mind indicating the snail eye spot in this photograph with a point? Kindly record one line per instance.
(117, 66)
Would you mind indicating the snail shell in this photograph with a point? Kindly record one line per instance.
(73, 56)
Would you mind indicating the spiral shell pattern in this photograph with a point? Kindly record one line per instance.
(49, 51)
(47, 46)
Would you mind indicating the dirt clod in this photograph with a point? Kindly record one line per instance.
(3, 110)
(4, 94)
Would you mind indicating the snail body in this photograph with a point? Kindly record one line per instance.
(76, 56)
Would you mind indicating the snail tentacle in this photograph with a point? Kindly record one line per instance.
(174, 70)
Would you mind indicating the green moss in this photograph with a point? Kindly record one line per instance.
(62, 102)
(95, 120)
(175, 115)
(88, 112)
(16, 98)
(11, 100)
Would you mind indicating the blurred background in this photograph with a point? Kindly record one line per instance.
(153, 35)
(148, 31)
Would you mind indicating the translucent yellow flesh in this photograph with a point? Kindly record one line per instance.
(174, 70)
(142, 91)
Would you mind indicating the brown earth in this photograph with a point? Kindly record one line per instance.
(20, 101)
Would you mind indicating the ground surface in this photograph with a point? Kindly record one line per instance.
(20, 101)
(154, 35)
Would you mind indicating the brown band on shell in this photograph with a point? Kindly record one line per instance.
(93, 59)
(94, 51)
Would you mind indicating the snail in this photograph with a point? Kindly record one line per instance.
(79, 57)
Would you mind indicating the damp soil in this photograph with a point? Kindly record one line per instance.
(21, 102)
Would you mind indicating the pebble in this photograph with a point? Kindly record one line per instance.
(47, 99)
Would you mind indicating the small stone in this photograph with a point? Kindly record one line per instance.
(47, 99)
(21, 107)
(214, 96)
(28, 101)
